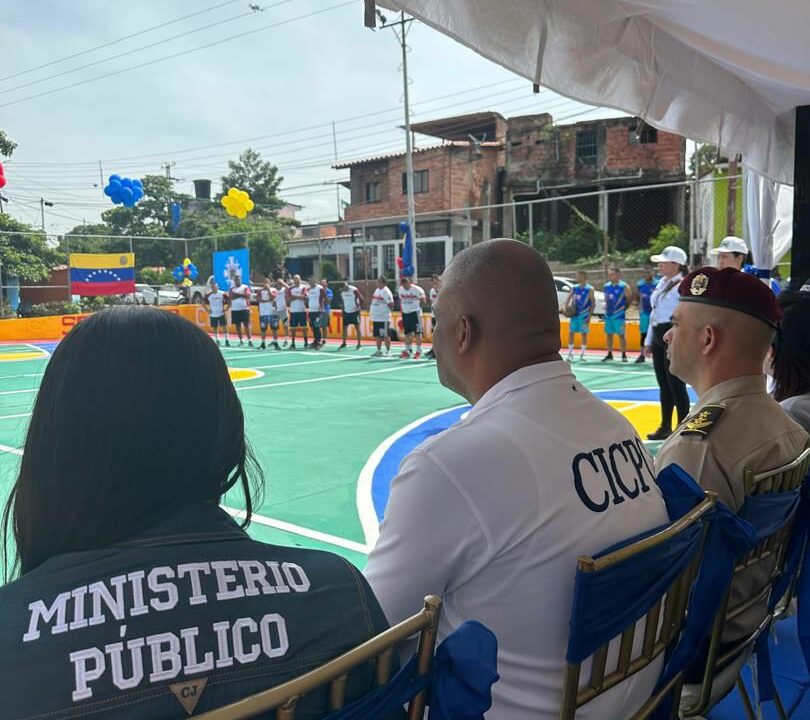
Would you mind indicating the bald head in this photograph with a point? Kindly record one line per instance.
(497, 312)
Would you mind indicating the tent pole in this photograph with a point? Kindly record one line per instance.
(800, 248)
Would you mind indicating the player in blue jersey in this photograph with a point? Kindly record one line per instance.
(582, 301)
(644, 290)
(617, 297)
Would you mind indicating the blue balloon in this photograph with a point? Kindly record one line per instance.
(177, 273)
(116, 197)
(126, 182)
(137, 192)
(108, 190)
(127, 196)
(115, 186)
(115, 178)
(138, 182)
(192, 271)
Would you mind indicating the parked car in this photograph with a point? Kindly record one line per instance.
(158, 295)
(564, 286)
(196, 293)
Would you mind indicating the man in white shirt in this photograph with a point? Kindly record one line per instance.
(281, 307)
(315, 300)
(352, 304)
(240, 308)
(217, 302)
(297, 301)
(493, 513)
(411, 298)
(267, 313)
(382, 302)
(433, 294)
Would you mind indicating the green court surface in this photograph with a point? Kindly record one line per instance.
(321, 422)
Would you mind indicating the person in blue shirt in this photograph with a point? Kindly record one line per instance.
(617, 298)
(644, 289)
(327, 308)
(581, 302)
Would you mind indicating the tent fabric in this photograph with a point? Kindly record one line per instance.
(728, 72)
(767, 220)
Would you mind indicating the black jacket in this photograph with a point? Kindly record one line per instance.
(189, 615)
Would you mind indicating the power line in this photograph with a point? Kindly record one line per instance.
(118, 40)
(181, 53)
(139, 49)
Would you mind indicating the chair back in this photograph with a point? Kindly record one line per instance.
(380, 649)
(764, 564)
(663, 620)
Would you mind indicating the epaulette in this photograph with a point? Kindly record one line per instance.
(704, 421)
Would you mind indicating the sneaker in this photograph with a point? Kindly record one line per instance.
(341, 346)
(430, 355)
(607, 357)
(582, 357)
(570, 357)
(306, 344)
(387, 353)
(661, 434)
(358, 346)
(417, 355)
(316, 346)
(292, 346)
(377, 353)
(262, 347)
(274, 345)
(218, 343)
(404, 354)
(640, 358)
(285, 344)
(241, 343)
(250, 343)
(227, 344)
(624, 357)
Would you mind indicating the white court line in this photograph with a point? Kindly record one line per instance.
(334, 377)
(13, 451)
(294, 364)
(39, 349)
(24, 375)
(365, 503)
(608, 371)
(18, 392)
(634, 405)
(302, 531)
(19, 415)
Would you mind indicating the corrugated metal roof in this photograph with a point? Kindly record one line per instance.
(401, 153)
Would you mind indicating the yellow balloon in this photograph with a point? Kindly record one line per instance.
(224, 201)
(241, 214)
(233, 192)
(249, 205)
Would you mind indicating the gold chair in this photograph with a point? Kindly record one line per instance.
(660, 631)
(284, 698)
(764, 563)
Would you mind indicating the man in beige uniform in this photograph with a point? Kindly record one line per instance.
(721, 330)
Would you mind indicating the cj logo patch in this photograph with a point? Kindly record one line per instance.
(188, 693)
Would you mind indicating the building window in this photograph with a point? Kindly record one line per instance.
(420, 182)
(433, 228)
(373, 193)
(586, 147)
(430, 258)
(365, 262)
(646, 136)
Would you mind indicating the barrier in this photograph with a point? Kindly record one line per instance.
(55, 327)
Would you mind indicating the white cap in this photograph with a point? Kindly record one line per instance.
(672, 253)
(730, 244)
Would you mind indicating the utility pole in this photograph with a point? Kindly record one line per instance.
(337, 185)
(401, 36)
(42, 205)
(167, 166)
(100, 176)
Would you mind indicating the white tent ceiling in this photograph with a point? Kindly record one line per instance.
(729, 72)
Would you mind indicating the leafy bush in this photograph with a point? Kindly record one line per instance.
(329, 270)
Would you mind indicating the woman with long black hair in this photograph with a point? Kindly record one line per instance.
(672, 390)
(791, 363)
(135, 595)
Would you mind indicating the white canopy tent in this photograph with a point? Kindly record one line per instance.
(728, 72)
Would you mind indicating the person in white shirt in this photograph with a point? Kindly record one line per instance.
(382, 302)
(436, 284)
(315, 301)
(268, 316)
(352, 304)
(672, 390)
(281, 308)
(217, 302)
(240, 308)
(411, 298)
(539, 473)
(297, 302)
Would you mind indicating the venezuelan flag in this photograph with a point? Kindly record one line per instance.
(112, 274)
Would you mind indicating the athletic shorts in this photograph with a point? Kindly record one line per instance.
(644, 322)
(240, 317)
(351, 318)
(298, 319)
(325, 317)
(282, 315)
(614, 325)
(380, 329)
(580, 324)
(268, 320)
(314, 319)
(411, 323)
(218, 321)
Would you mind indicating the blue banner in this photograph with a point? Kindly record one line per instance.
(230, 263)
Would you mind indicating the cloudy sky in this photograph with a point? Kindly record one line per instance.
(137, 85)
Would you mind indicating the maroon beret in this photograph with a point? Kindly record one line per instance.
(733, 289)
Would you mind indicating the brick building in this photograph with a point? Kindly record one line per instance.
(485, 159)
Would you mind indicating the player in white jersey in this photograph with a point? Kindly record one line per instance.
(217, 302)
(297, 302)
(281, 308)
(352, 305)
(433, 294)
(268, 317)
(411, 298)
(382, 302)
(316, 298)
(240, 308)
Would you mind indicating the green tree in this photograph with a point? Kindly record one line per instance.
(705, 159)
(259, 178)
(7, 145)
(23, 254)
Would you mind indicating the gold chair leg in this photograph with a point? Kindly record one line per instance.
(749, 708)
